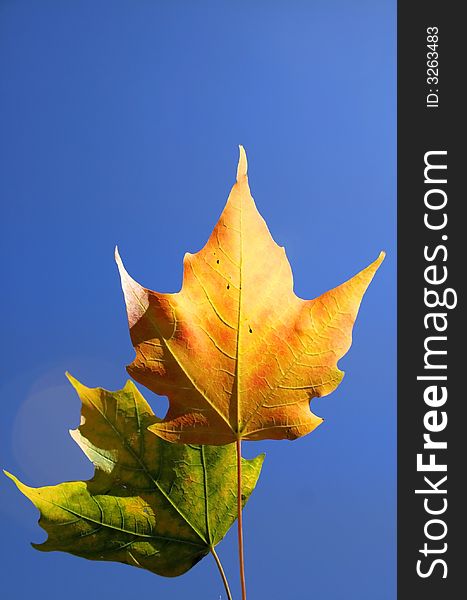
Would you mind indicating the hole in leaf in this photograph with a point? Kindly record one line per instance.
(228, 286)
(217, 261)
(250, 330)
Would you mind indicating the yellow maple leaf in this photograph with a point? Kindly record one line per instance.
(237, 353)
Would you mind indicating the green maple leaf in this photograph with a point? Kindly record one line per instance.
(151, 504)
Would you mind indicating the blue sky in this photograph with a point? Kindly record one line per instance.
(120, 123)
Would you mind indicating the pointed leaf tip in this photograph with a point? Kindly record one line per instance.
(136, 297)
(124, 275)
(242, 164)
(74, 382)
(14, 479)
(377, 263)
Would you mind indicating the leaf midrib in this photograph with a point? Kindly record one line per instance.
(239, 322)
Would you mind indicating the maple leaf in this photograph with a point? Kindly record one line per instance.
(236, 352)
(150, 504)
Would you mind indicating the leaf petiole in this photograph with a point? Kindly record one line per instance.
(240, 520)
(222, 573)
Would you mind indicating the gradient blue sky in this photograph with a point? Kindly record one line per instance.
(119, 124)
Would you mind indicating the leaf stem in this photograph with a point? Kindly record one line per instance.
(240, 520)
(221, 571)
